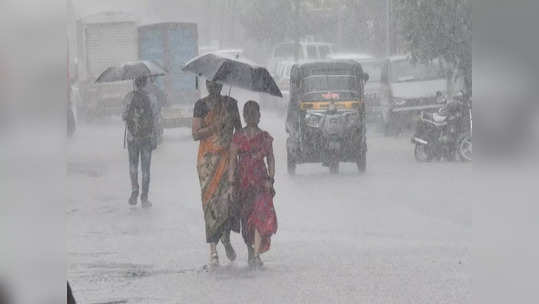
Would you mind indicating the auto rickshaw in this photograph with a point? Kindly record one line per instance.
(326, 119)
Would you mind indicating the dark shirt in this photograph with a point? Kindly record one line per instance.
(201, 108)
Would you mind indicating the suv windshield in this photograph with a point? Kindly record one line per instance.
(403, 70)
(287, 50)
(324, 51)
(311, 52)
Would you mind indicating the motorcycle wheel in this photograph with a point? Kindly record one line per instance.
(465, 148)
(362, 162)
(422, 153)
(291, 164)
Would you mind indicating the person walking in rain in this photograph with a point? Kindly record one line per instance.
(252, 155)
(139, 118)
(215, 119)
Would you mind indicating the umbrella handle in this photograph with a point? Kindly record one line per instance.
(229, 89)
(125, 134)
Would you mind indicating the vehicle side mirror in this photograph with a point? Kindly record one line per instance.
(365, 77)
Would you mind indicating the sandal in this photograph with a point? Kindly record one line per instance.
(250, 256)
(230, 252)
(257, 262)
(214, 260)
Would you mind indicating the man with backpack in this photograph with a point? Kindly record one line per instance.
(139, 118)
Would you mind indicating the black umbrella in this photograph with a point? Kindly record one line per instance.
(131, 71)
(234, 73)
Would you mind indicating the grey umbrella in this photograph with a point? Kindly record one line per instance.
(234, 73)
(130, 71)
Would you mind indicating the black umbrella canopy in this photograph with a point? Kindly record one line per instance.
(234, 73)
(131, 71)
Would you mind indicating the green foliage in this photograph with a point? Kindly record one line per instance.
(278, 20)
(268, 21)
(351, 24)
(437, 29)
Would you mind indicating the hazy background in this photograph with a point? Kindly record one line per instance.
(32, 164)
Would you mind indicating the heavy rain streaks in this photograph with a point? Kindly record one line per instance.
(370, 145)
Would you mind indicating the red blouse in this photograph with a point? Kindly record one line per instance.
(251, 152)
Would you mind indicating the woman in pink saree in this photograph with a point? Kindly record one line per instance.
(251, 150)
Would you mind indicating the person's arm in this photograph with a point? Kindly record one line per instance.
(270, 158)
(152, 115)
(127, 103)
(271, 171)
(233, 160)
(200, 132)
(237, 119)
(164, 99)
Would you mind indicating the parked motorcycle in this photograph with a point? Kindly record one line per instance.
(445, 134)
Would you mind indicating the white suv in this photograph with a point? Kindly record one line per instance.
(306, 51)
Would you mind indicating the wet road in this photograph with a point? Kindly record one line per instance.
(400, 233)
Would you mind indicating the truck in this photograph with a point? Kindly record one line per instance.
(171, 45)
(103, 40)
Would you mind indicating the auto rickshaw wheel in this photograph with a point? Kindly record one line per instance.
(362, 162)
(291, 164)
(334, 167)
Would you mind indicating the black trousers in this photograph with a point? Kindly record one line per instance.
(140, 149)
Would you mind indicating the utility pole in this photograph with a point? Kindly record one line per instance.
(233, 19)
(296, 30)
(340, 26)
(388, 28)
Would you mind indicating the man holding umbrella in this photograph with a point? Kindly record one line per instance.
(139, 118)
